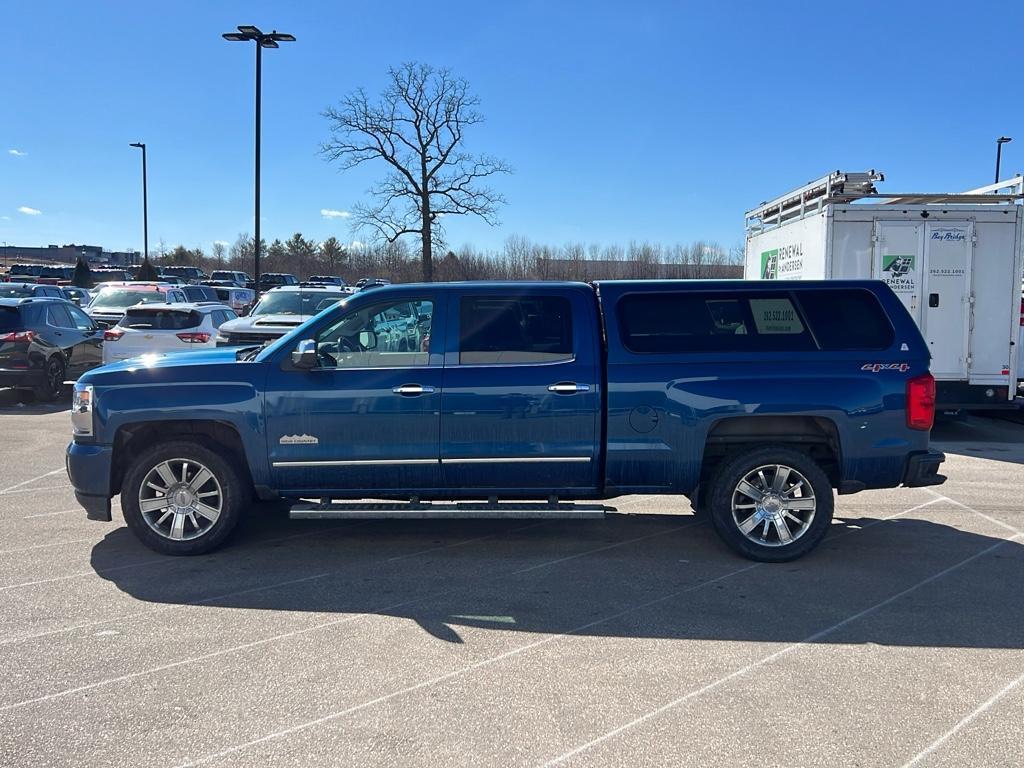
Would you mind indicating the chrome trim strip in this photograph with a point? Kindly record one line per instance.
(353, 463)
(517, 459)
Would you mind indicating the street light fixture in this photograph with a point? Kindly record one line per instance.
(999, 152)
(263, 40)
(145, 202)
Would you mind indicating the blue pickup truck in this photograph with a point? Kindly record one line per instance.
(755, 399)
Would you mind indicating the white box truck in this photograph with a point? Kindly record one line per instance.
(953, 259)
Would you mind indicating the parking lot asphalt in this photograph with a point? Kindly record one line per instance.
(635, 640)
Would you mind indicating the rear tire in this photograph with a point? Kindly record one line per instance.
(180, 498)
(53, 380)
(771, 504)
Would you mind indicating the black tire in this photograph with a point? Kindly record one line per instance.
(53, 380)
(233, 494)
(736, 468)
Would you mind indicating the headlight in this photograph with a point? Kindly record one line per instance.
(81, 410)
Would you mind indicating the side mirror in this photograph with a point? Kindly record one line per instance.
(304, 355)
(368, 340)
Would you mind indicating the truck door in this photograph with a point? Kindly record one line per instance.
(948, 253)
(520, 409)
(367, 417)
(897, 260)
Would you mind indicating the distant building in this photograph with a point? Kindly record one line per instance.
(94, 254)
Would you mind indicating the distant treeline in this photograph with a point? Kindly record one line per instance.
(518, 259)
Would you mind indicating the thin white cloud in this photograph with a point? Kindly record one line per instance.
(16, 152)
(221, 242)
(355, 245)
(330, 213)
(29, 211)
(5, 218)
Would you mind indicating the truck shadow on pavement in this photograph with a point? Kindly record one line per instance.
(642, 576)
(995, 436)
(23, 402)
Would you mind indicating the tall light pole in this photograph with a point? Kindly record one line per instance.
(262, 40)
(145, 203)
(999, 152)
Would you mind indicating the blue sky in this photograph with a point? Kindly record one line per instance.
(624, 121)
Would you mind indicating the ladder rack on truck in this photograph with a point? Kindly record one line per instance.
(848, 186)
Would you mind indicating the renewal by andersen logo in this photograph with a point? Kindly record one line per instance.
(898, 265)
(770, 264)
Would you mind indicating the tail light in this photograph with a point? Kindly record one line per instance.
(113, 334)
(921, 402)
(194, 338)
(19, 337)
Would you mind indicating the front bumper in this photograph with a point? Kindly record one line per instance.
(89, 466)
(923, 469)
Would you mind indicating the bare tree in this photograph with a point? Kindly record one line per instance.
(417, 127)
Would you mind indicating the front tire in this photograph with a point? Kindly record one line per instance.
(180, 498)
(771, 504)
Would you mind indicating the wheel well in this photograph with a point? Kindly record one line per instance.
(132, 438)
(815, 435)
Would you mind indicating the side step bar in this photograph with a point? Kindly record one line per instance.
(446, 510)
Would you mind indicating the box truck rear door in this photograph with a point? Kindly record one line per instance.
(897, 261)
(948, 251)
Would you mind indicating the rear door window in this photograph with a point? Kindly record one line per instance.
(846, 319)
(495, 330)
(58, 317)
(672, 323)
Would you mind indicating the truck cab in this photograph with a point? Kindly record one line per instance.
(752, 399)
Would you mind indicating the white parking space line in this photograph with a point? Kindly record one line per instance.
(522, 649)
(458, 672)
(51, 514)
(991, 519)
(262, 588)
(23, 483)
(778, 654)
(45, 546)
(981, 709)
(36, 490)
(304, 630)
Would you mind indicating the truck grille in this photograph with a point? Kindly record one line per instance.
(250, 339)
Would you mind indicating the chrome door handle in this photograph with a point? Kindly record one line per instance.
(413, 389)
(568, 388)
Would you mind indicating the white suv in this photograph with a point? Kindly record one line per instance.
(164, 328)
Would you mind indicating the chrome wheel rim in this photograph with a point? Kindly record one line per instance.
(180, 499)
(773, 505)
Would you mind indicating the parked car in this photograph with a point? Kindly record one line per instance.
(79, 296)
(56, 275)
(45, 342)
(755, 399)
(328, 280)
(241, 300)
(109, 276)
(196, 293)
(240, 279)
(162, 328)
(279, 310)
(369, 283)
(171, 279)
(110, 303)
(270, 280)
(24, 273)
(191, 275)
(24, 290)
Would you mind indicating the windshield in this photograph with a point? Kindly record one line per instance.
(14, 291)
(119, 298)
(297, 302)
